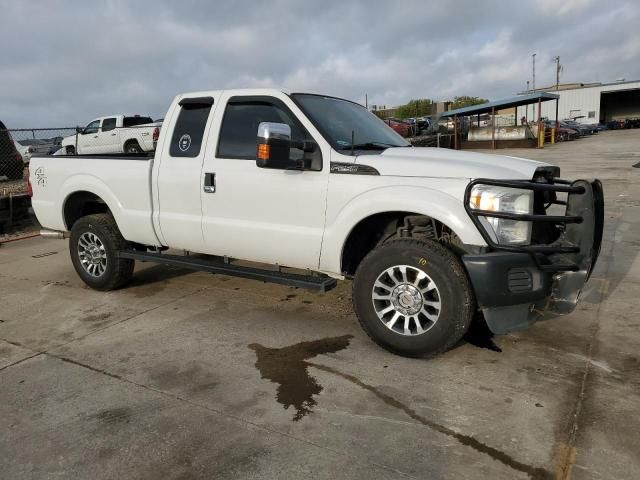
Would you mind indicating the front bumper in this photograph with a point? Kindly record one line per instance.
(517, 286)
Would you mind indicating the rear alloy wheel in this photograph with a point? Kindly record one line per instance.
(94, 245)
(412, 297)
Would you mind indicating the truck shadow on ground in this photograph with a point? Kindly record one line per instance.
(146, 278)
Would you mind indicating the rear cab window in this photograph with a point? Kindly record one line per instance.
(188, 132)
(108, 124)
(135, 121)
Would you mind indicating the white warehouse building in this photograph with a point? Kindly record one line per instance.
(590, 103)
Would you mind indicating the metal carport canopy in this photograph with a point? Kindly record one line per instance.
(527, 99)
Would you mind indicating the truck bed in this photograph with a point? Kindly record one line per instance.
(125, 189)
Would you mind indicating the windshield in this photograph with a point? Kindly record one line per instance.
(341, 120)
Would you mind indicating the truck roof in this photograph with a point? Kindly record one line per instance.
(236, 91)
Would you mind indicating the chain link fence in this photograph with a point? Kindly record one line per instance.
(19, 146)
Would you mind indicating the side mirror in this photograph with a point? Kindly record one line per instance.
(274, 144)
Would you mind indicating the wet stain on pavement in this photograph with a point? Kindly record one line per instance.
(114, 415)
(288, 367)
(97, 317)
(498, 455)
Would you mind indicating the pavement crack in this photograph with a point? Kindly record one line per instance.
(17, 362)
(502, 457)
(566, 451)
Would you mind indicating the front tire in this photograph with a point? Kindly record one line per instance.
(94, 245)
(413, 297)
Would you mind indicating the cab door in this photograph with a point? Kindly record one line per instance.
(88, 137)
(258, 214)
(106, 138)
(177, 174)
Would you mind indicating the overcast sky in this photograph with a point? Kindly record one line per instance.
(65, 62)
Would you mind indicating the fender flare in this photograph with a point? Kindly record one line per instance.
(420, 200)
(90, 184)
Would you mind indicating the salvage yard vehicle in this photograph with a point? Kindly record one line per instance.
(430, 237)
(11, 163)
(115, 134)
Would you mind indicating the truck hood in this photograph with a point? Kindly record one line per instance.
(446, 163)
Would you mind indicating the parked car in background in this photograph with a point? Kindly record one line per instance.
(11, 163)
(583, 130)
(35, 146)
(562, 134)
(114, 134)
(400, 127)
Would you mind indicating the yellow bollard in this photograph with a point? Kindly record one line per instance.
(541, 136)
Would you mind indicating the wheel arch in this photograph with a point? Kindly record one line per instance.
(80, 204)
(396, 203)
(375, 229)
(130, 141)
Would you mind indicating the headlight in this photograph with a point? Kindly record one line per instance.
(507, 200)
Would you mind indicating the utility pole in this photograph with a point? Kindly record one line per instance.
(558, 70)
(526, 107)
(533, 57)
(366, 102)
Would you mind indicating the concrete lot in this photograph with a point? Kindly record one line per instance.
(189, 375)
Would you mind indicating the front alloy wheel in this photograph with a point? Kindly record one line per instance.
(406, 300)
(412, 296)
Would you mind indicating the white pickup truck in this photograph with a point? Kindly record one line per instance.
(114, 134)
(320, 186)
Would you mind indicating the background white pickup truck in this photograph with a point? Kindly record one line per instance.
(114, 134)
(431, 237)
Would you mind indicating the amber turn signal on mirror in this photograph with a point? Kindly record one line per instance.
(263, 151)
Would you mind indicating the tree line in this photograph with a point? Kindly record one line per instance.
(420, 107)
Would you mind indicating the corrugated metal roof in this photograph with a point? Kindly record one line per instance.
(517, 101)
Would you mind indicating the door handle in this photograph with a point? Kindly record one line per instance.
(209, 183)
(113, 134)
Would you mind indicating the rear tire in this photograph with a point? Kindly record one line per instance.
(132, 147)
(430, 302)
(70, 150)
(94, 245)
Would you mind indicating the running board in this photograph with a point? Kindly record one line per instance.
(311, 282)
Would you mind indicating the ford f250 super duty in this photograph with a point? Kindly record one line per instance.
(320, 186)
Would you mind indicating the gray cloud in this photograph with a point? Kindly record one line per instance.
(64, 63)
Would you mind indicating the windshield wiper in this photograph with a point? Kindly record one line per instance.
(369, 146)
